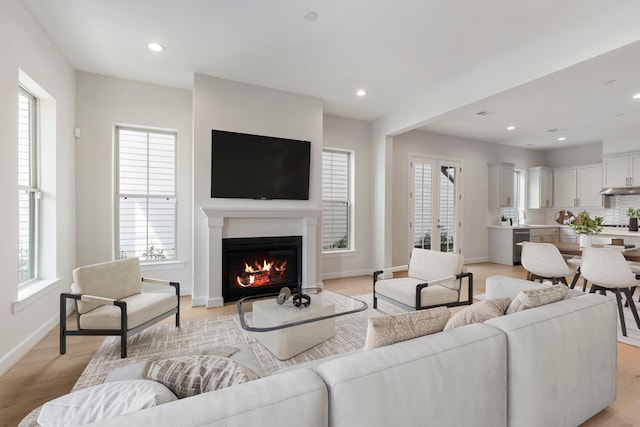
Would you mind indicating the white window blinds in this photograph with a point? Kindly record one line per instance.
(146, 194)
(336, 193)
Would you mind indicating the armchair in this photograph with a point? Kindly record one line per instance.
(109, 300)
(434, 279)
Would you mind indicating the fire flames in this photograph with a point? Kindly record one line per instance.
(267, 273)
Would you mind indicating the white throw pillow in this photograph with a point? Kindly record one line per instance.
(103, 401)
(530, 298)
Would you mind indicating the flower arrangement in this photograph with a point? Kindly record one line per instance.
(584, 224)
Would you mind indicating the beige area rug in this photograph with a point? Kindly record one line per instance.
(163, 341)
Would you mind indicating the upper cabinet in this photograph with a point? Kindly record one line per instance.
(577, 187)
(540, 188)
(501, 184)
(622, 171)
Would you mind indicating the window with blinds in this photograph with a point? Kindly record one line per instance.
(28, 192)
(336, 200)
(146, 194)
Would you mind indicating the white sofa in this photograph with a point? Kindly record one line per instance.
(551, 365)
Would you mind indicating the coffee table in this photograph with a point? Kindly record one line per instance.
(286, 330)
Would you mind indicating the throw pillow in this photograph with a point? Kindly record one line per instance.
(530, 298)
(387, 330)
(479, 312)
(190, 375)
(103, 401)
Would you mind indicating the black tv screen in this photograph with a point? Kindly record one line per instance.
(259, 167)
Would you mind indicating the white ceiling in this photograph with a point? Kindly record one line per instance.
(397, 50)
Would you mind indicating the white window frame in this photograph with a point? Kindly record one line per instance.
(348, 202)
(31, 188)
(155, 254)
(518, 196)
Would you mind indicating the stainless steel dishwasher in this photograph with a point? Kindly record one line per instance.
(519, 235)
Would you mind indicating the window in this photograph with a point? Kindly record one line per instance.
(28, 192)
(518, 197)
(336, 200)
(145, 194)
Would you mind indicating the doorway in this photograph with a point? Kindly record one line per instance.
(434, 200)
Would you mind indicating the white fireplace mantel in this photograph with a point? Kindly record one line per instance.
(269, 222)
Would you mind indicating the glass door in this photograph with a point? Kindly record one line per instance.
(434, 203)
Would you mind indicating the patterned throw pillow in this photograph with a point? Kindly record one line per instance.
(479, 312)
(388, 330)
(530, 298)
(190, 375)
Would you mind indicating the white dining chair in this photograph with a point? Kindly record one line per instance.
(543, 261)
(607, 270)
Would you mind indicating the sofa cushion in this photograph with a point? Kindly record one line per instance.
(478, 312)
(387, 330)
(103, 401)
(190, 375)
(114, 279)
(530, 298)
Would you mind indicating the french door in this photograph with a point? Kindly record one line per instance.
(434, 204)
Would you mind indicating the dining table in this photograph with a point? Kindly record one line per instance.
(568, 248)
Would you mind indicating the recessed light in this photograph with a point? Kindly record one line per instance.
(562, 138)
(511, 127)
(636, 96)
(311, 16)
(155, 47)
(361, 92)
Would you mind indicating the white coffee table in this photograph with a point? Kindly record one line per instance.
(286, 330)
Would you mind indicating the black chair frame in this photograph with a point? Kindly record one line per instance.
(419, 288)
(123, 332)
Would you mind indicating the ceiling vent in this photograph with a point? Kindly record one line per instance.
(555, 130)
(486, 113)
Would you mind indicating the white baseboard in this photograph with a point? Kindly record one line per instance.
(215, 302)
(27, 344)
(341, 274)
(475, 260)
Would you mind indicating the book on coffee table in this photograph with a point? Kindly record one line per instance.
(624, 247)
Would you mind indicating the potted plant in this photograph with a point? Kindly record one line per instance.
(585, 226)
(504, 220)
(634, 214)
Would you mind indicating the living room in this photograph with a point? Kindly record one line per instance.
(78, 171)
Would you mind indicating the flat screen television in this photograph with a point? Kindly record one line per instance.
(245, 166)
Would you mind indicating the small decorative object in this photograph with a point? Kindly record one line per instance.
(585, 226)
(284, 295)
(504, 220)
(300, 299)
(634, 214)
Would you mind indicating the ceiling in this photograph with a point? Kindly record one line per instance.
(397, 50)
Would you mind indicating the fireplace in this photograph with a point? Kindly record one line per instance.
(260, 265)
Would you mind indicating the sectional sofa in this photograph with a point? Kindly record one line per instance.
(550, 365)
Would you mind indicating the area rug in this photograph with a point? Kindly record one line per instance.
(164, 341)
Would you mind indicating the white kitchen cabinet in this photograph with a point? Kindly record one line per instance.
(540, 188)
(621, 171)
(577, 187)
(501, 184)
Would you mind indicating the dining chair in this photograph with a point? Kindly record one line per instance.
(543, 261)
(607, 270)
(576, 261)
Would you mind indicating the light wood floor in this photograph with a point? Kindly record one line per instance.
(43, 374)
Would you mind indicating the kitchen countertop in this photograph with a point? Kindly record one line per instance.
(607, 231)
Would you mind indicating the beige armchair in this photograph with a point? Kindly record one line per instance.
(109, 300)
(434, 279)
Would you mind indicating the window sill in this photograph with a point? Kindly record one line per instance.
(30, 293)
(163, 265)
(339, 254)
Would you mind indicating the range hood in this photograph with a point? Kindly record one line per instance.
(612, 191)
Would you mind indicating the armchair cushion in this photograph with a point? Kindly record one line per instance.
(140, 308)
(404, 291)
(428, 265)
(114, 279)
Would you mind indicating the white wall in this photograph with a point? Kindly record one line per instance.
(475, 156)
(575, 156)
(238, 107)
(102, 103)
(353, 135)
(616, 146)
(27, 47)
